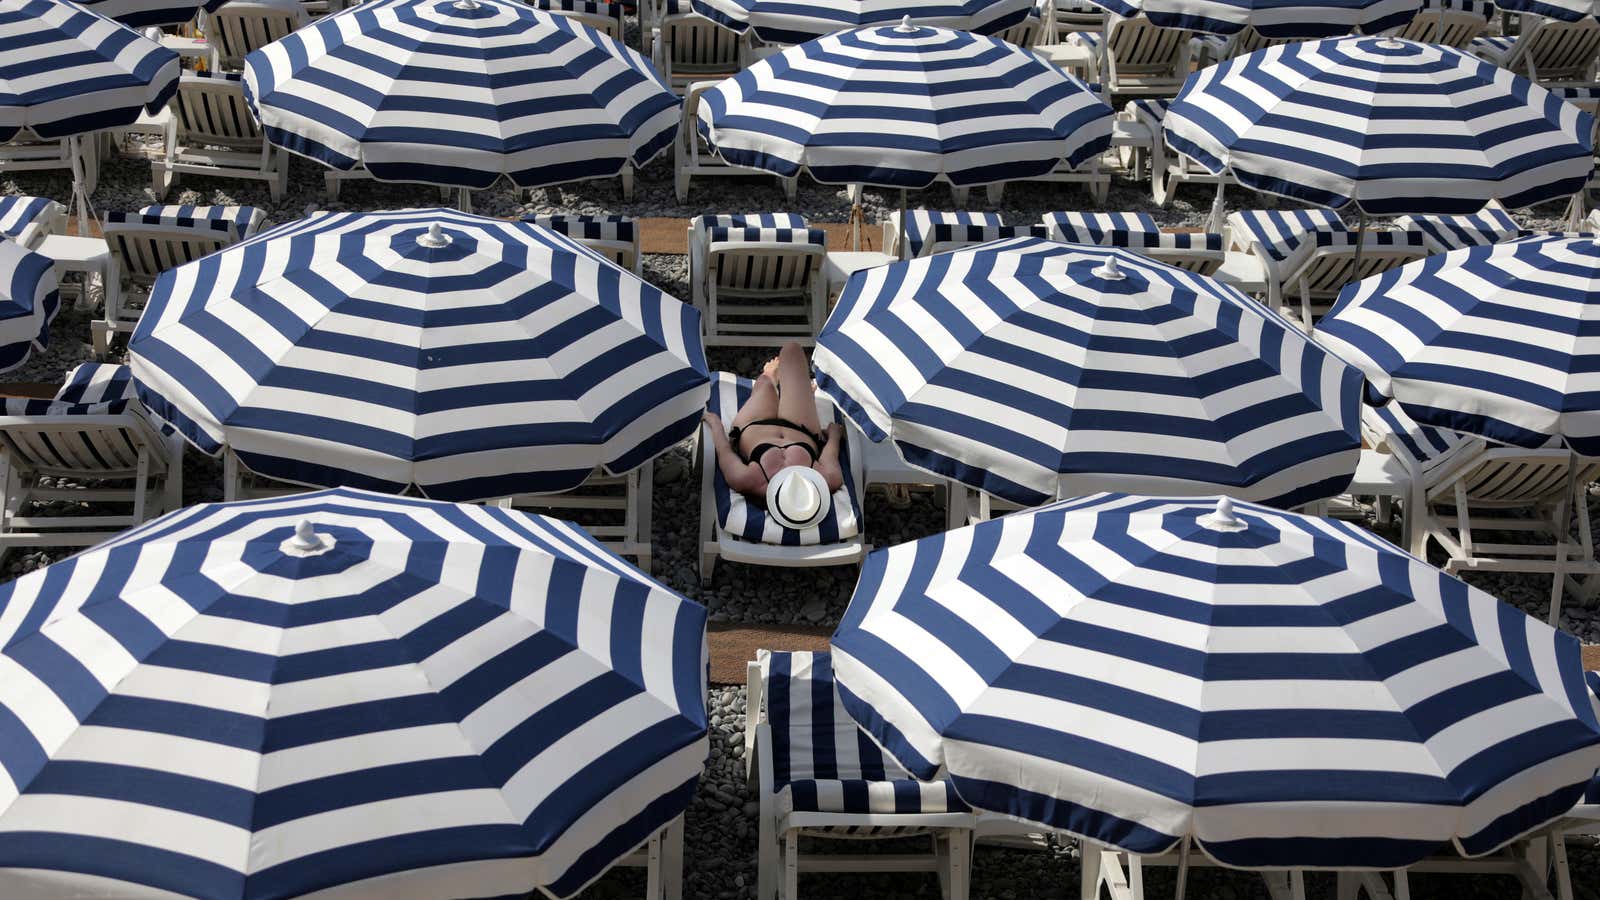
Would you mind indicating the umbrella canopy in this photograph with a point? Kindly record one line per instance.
(28, 303)
(1285, 690)
(272, 698)
(65, 71)
(1501, 341)
(466, 356)
(1293, 19)
(1026, 368)
(794, 21)
(903, 106)
(459, 93)
(145, 13)
(1388, 125)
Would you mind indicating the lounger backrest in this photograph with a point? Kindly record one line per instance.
(698, 45)
(1423, 448)
(813, 737)
(27, 220)
(1556, 51)
(752, 262)
(1137, 47)
(145, 245)
(101, 436)
(241, 27)
(210, 109)
(1202, 252)
(1441, 234)
(614, 237)
(1455, 25)
(1329, 263)
(1092, 228)
(1024, 33)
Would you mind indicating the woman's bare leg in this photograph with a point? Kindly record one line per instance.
(763, 403)
(797, 402)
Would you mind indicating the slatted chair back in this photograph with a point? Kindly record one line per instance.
(210, 110)
(1145, 58)
(1552, 51)
(144, 244)
(603, 17)
(241, 27)
(693, 48)
(1457, 24)
(1320, 268)
(614, 237)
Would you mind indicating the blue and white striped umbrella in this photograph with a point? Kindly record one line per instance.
(460, 92)
(794, 21)
(1501, 341)
(146, 13)
(1291, 19)
(65, 71)
(904, 106)
(483, 359)
(1287, 691)
(1028, 368)
(273, 698)
(1392, 126)
(28, 302)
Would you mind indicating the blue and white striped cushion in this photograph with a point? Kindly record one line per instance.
(920, 222)
(1149, 111)
(1428, 445)
(821, 760)
(589, 228)
(952, 236)
(91, 389)
(1280, 232)
(751, 234)
(1584, 95)
(585, 7)
(18, 213)
(1090, 39)
(1387, 238)
(239, 221)
(1096, 228)
(1490, 225)
(745, 520)
(703, 224)
(1492, 47)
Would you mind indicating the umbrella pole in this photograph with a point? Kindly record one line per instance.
(1361, 242)
(464, 200)
(80, 188)
(1183, 870)
(1218, 207)
(903, 249)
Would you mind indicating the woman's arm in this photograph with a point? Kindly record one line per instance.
(741, 476)
(828, 461)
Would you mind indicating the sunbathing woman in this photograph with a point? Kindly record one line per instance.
(776, 440)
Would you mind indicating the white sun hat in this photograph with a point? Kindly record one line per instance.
(798, 497)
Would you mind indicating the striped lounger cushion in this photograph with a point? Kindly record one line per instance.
(245, 220)
(920, 224)
(743, 519)
(750, 226)
(20, 217)
(1149, 111)
(946, 233)
(91, 389)
(588, 228)
(1280, 232)
(1431, 447)
(1097, 228)
(1490, 225)
(1492, 48)
(821, 760)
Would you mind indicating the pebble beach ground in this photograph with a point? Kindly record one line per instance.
(721, 846)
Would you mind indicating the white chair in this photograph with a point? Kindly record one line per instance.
(1310, 255)
(1547, 50)
(27, 153)
(1454, 23)
(1063, 17)
(603, 17)
(1133, 57)
(1441, 234)
(733, 528)
(693, 156)
(689, 47)
(818, 775)
(623, 500)
(1210, 49)
(1026, 33)
(1583, 819)
(212, 132)
(96, 436)
(146, 243)
(27, 220)
(614, 237)
(241, 27)
(757, 279)
(1462, 486)
(1169, 169)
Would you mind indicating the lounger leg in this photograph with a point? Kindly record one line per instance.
(141, 485)
(961, 864)
(230, 476)
(791, 865)
(1558, 850)
(627, 182)
(766, 859)
(652, 883)
(643, 480)
(1088, 871)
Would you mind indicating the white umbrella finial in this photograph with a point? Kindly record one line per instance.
(305, 537)
(1222, 518)
(905, 24)
(436, 238)
(466, 4)
(1109, 270)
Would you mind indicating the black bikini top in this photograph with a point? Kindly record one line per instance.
(814, 448)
